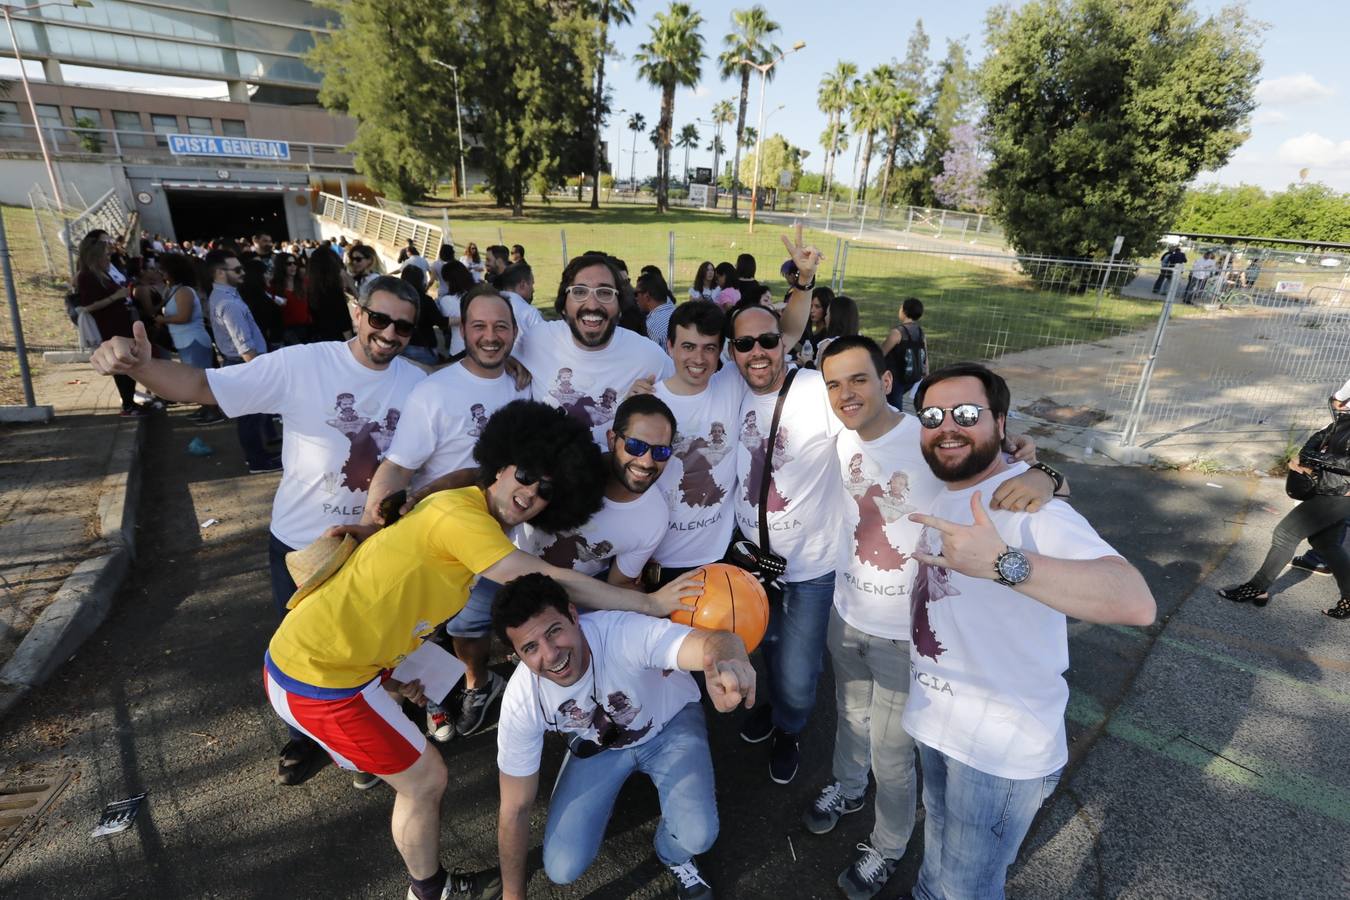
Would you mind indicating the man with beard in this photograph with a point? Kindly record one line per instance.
(987, 694)
(586, 346)
(617, 687)
(293, 382)
(441, 421)
(882, 476)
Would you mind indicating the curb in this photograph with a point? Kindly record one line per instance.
(85, 597)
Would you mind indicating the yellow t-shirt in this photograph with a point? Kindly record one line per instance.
(394, 590)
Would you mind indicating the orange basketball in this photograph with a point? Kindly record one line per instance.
(732, 601)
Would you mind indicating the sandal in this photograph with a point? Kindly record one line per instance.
(1248, 592)
(1340, 611)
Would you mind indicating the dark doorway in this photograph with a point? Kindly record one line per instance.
(207, 215)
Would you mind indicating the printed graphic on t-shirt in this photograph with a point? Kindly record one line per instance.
(478, 413)
(369, 440)
(931, 584)
(699, 456)
(583, 407)
(757, 444)
(570, 548)
(878, 507)
(618, 712)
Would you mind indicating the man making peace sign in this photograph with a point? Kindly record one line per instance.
(989, 638)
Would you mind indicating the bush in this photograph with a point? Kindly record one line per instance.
(480, 188)
(679, 194)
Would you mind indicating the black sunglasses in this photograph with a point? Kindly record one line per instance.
(963, 414)
(527, 478)
(634, 447)
(768, 340)
(379, 321)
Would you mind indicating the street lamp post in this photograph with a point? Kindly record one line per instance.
(763, 69)
(459, 123)
(618, 150)
(6, 9)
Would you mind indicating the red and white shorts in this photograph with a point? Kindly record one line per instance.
(365, 732)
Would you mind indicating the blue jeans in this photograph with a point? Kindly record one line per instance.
(975, 825)
(678, 762)
(283, 586)
(794, 649)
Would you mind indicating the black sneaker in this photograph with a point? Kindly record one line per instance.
(758, 725)
(267, 465)
(486, 885)
(364, 781)
(1307, 565)
(783, 755)
(474, 704)
(829, 808)
(689, 883)
(300, 759)
(868, 874)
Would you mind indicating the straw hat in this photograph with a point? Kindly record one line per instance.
(313, 565)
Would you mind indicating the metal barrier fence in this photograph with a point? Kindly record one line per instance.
(373, 224)
(108, 213)
(973, 229)
(1092, 345)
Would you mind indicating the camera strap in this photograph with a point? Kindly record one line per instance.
(768, 462)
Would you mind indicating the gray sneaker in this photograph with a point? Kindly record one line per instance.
(828, 808)
(868, 874)
(474, 704)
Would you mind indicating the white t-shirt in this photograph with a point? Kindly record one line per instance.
(804, 491)
(527, 315)
(442, 419)
(699, 483)
(882, 482)
(987, 663)
(624, 532)
(587, 384)
(339, 418)
(633, 674)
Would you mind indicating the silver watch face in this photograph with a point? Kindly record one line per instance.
(1014, 567)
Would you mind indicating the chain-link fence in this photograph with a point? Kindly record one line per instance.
(1122, 348)
(973, 230)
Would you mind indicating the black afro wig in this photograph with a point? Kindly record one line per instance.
(544, 440)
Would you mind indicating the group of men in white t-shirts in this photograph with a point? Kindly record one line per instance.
(936, 568)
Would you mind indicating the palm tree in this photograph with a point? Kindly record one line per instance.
(672, 58)
(899, 105)
(750, 137)
(723, 113)
(832, 99)
(688, 138)
(751, 29)
(636, 122)
(620, 12)
(871, 112)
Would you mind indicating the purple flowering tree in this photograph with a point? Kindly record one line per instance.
(961, 182)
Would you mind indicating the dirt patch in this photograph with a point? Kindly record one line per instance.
(1052, 411)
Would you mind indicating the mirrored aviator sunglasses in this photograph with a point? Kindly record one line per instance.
(963, 414)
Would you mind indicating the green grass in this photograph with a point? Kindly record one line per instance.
(41, 301)
(973, 312)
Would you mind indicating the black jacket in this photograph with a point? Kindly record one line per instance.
(1328, 452)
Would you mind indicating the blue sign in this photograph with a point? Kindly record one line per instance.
(213, 145)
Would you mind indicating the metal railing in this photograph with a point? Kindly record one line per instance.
(107, 212)
(378, 225)
(120, 143)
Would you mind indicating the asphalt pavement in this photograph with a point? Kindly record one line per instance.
(1208, 750)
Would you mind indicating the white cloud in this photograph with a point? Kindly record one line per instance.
(1290, 90)
(702, 90)
(1269, 117)
(1313, 149)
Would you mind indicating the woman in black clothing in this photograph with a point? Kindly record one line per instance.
(327, 299)
(1325, 457)
(261, 302)
(422, 345)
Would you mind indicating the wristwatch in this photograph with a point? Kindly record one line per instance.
(1055, 476)
(1012, 567)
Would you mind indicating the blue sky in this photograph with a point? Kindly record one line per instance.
(1303, 120)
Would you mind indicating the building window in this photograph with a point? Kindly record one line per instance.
(163, 125)
(94, 116)
(200, 125)
(233, 128)
(10, 126)
(49, 116)
(129, 128)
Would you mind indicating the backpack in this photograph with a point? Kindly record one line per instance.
(908, 360)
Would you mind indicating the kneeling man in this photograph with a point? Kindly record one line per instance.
(616, 685)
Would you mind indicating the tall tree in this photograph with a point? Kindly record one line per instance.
(1091, 131)
(672, 58)
(688, 138)
(870, 109)
(723, 113)
(961, 183)
(778, 157)
(748, 39)
(898, 102)
(905, 140)
(636, 123)
(832, 99)
(618, 12)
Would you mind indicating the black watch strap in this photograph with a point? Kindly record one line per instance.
(1055, 476)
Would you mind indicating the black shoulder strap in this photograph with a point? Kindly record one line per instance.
(768, 461)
